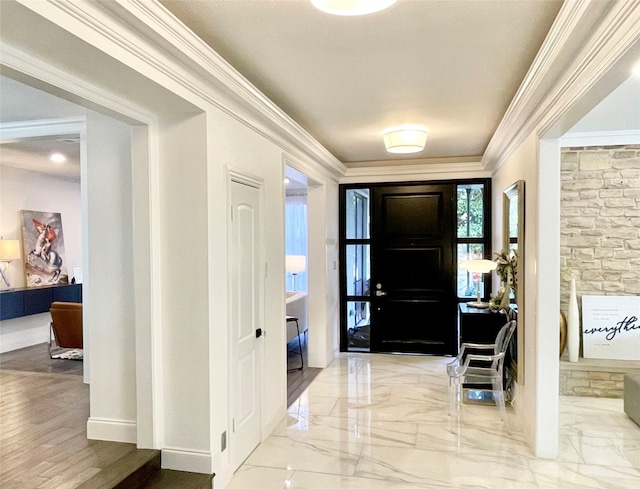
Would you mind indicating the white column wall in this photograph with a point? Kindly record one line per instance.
(185, 295)
(108, 294)
(536, 399)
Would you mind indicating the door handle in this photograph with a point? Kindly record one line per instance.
(258, 332)
(380, 293)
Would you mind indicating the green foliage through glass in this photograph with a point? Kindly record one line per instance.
(470, 211)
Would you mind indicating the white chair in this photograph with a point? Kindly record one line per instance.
(478, 370)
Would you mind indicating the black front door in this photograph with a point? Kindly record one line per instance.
(412, 269)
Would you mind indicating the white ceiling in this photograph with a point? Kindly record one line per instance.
(619, 111)
(452, 66)
(22, 103)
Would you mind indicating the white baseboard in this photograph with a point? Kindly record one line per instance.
(187, 460)
(270, 425)
(111, 430)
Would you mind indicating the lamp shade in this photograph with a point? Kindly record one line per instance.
(479, 266)
(295, 263)
(405, 140)
(352, 7)
(9, 249)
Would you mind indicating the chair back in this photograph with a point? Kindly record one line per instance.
(504, 336)
(66, 322)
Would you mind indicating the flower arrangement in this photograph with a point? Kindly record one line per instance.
(507, 271)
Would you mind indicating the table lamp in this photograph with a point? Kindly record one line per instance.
(479, 267)
(294, 264)
(9, 251)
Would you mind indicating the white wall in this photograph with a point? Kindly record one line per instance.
(108, 294)
(189, 213)
(537, 398)
(23, 332)
(232, 145)
(185, 292)
(27, 190)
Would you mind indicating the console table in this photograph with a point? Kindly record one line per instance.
(479, 325)
(15, 303)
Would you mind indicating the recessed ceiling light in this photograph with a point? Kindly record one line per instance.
(58, 158)
(352, 7)
(636, 69)
(286, 181)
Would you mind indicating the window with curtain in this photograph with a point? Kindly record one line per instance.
(296, 237)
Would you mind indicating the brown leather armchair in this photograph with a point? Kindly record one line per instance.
(66, 324)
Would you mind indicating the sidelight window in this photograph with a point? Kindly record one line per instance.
(357, 268)
(472, 234)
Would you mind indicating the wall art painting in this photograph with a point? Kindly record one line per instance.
(610, 327)
(43, 243)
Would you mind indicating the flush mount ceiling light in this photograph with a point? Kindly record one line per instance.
(405, 140)
(352, 7)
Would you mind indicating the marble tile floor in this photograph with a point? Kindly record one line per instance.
(380, 422)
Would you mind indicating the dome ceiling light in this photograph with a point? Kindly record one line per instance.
(352, 7)
(405, 140)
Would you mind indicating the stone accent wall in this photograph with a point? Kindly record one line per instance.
(583, 383)
(600, 221)
(600, 243)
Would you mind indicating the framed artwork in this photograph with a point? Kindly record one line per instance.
(43, 242)
(610, 327)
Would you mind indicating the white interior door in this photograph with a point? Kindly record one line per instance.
(246, 319)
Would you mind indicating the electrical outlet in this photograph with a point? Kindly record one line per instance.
(223, 441)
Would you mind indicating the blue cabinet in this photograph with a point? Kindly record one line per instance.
(16, 303)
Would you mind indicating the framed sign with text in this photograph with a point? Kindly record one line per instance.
(611, 327)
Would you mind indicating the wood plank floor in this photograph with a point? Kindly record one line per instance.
(36, 359)
(43, 438)
(298, 380)
(44, 407)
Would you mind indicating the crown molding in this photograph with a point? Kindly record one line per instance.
(81, 91)
(14, 131)
(412, 162)
(536, 108)
(618, 32)
(601, 138)
(433, 171)
(153, 36)
(509, 134)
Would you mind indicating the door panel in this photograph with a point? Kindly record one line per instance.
(245, 266)
(415, 269)
(399, 216)
(414, 325)
(413, 293)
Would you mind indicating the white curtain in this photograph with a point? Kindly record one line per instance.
(296, 240)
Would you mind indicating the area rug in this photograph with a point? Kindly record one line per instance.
(68, 354)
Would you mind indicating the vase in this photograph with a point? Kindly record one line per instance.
(563, 333)
(573, 325)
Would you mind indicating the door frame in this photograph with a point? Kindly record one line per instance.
(239, 177)
(487, 238)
